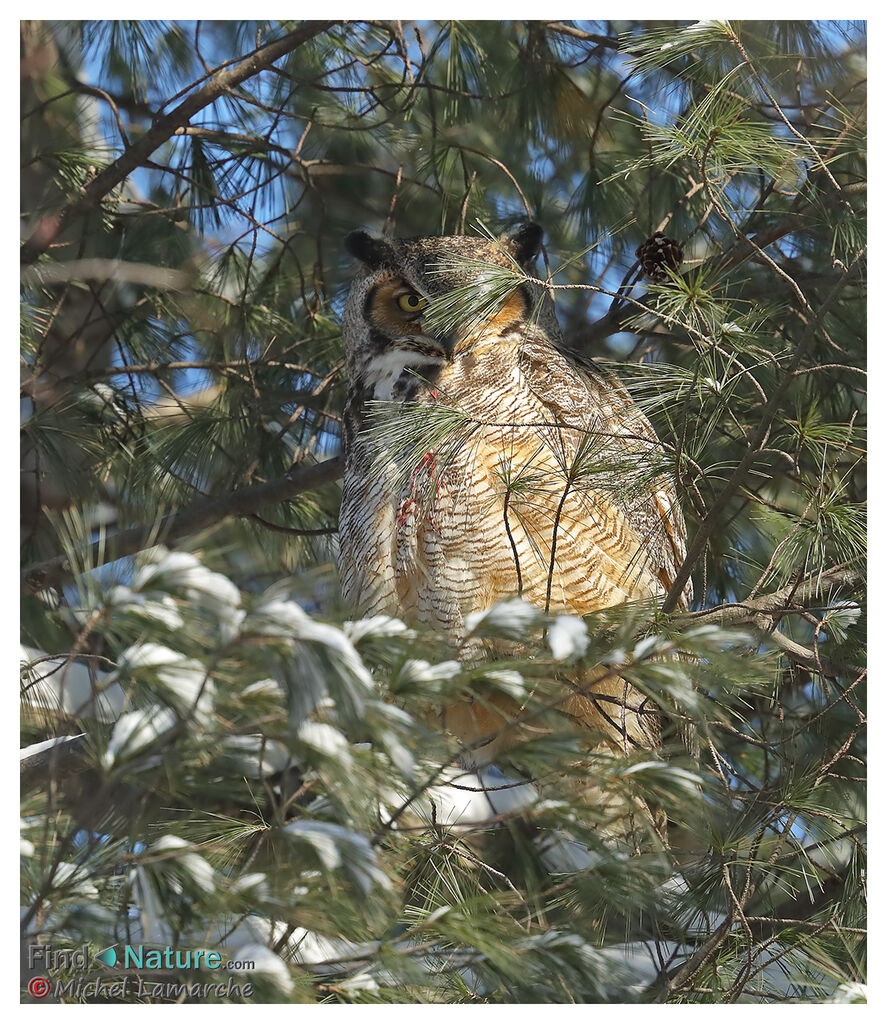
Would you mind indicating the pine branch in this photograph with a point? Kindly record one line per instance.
(164, 128)
(311, 399)
(756, 441)
(618, 318)
(176, 525)
(804, 902)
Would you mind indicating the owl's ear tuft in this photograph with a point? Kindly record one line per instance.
(371, 251)
(525, 243)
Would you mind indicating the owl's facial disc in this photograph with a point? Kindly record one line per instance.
(395, 310)
(404, 354)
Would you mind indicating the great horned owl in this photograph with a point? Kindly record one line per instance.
(537, 498)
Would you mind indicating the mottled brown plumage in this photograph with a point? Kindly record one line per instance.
(471, 523)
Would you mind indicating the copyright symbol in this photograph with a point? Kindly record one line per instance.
(38, 987)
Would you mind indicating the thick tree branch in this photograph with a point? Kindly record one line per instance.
(97, 269)
(764, 612)
(611, 42)
(198, 516)
(63, 757)
(164, 128)
(795, 595)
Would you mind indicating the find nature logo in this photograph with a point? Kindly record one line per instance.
(107, 956)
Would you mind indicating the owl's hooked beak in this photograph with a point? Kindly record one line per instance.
(450, 342)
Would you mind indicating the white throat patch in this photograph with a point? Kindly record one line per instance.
(384, 370)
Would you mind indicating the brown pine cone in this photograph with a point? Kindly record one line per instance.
(657, 253)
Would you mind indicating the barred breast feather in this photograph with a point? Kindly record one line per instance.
(438, 542)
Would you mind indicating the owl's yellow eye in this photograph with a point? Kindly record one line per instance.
(410, 302)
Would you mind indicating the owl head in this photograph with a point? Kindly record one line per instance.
(385, 327)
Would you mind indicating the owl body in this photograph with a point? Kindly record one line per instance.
(542, 487)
